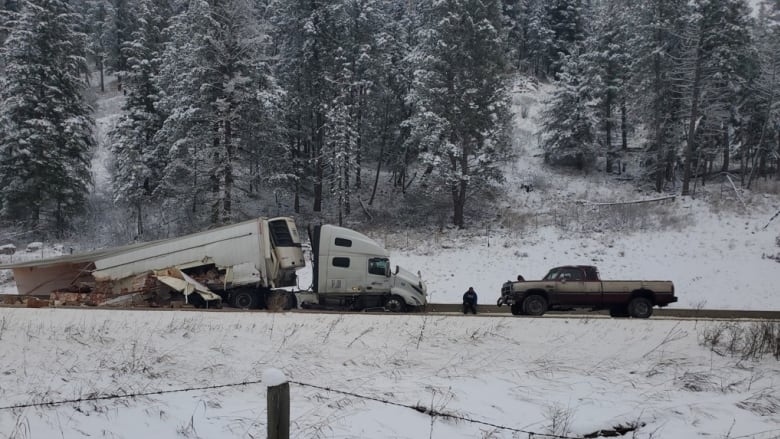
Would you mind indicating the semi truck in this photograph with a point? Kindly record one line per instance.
(246, 265)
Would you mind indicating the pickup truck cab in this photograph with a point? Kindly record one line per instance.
(579, 286)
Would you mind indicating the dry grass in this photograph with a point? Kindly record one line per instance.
(748, 342)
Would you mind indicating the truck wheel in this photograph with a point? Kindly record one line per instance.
(517, 309)
(244, 300)
(196, 300)
(618, 311)
(640, 308)
(395, 304)
(292, 301)
(535, 305)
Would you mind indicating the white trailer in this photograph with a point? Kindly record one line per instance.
(243, 264)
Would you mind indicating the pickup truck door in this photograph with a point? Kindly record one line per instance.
(595, 292)
(570, 287)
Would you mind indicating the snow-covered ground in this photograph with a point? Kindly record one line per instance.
(356, 376)
(497, 377)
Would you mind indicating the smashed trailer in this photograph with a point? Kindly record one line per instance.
(240, 263)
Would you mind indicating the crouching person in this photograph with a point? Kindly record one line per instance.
(470, 301)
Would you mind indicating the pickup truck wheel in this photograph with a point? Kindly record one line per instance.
(244, 300)
(640, 308)
(395, 304)
(535, 305)
(517, 309)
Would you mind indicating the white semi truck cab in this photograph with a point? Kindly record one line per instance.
(352, 271)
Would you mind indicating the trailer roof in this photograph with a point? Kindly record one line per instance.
(73, 259)
(108, 252)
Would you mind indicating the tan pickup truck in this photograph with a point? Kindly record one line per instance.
(579, 286)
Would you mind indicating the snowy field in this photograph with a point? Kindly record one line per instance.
(359, 376)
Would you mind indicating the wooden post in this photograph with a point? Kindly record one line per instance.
(279, 411)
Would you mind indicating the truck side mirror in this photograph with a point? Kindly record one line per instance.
(387, 271)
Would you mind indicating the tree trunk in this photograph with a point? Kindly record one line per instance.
(608, 131)
(139, 224)
(690, 147)
(459, 188)
(227, 197)
(623, 124)
(318, 164)
(102, 74)
(382, 141)
(658, 125)
(725, 146)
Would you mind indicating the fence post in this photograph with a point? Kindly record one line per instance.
(279, 411)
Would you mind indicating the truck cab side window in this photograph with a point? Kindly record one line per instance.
(378, 266)
(341, 262)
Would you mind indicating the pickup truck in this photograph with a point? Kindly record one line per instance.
(579, 286)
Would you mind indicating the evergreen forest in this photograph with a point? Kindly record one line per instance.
(238, 108)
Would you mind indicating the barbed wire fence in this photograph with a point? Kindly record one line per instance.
(429, 411)
(416, 407)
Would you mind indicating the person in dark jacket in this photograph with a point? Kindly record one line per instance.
(470, 301)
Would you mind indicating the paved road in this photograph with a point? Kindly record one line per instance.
(493, 310)
(660, 312)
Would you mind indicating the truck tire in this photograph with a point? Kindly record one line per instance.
(244, 299)
(196, 300)
(292, 301)
(395, 304)
(535, 305)
(640, 308)
(517, 309)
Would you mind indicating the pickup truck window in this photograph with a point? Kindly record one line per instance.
(572, 274)
(565, 273)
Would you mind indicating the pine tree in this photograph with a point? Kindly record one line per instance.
(220, 100)
(45, 124)
(137, 163)
(759, 125)
(607, 60)
(302, 36)
(459, 97)
(117, 30)
(658, 48)
(566, 21)
(388, 104)
(719, 63)
(568, 122)
(538, 39)
(97, 44)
